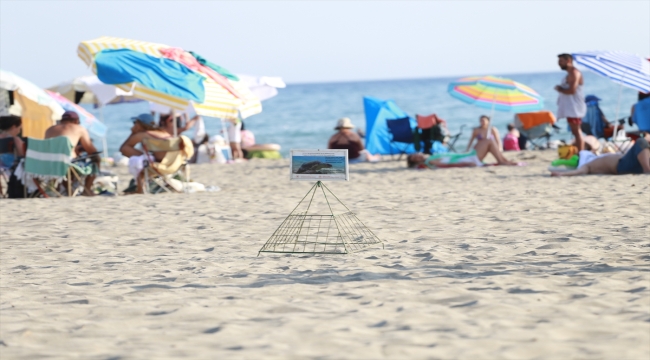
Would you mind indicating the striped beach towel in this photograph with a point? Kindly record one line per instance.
(48, 160)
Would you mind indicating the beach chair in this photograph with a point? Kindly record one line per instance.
(402, 133)
(173, 171)
(641, 115)
(48, 163)
(593, 123)
(536, 127)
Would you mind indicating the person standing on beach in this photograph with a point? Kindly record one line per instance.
(570, 102)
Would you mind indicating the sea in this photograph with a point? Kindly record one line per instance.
(303, 116)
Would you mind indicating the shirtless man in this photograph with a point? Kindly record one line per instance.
(144, 126)
(635, 161)
(570, 102)
(70, 128)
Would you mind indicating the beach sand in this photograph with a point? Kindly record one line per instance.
(497, 262)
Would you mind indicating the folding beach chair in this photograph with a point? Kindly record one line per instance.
(593, 123)
(174, 165)
(641, 115)
(402, 134)
(536, 126)
(48, 163)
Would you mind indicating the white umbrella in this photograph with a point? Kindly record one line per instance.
(36, 108)
(94, 91)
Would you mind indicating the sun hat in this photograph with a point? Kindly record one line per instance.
(344, 123)
(591, 98)
(145, 119)
(70, 115)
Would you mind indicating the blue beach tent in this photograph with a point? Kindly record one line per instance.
(378, 138)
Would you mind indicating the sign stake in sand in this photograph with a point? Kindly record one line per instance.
(325, 227)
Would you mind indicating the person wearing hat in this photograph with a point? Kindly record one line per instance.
(345, 138)
(607, 127)
(144, 127)
(69, 127)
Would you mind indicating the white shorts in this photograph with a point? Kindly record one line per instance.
(136, 164)
(234, 132)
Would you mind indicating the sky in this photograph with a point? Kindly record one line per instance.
(327, 41)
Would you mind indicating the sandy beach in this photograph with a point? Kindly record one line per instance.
(486, 263)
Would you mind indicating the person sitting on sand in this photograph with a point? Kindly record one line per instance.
(511, 140)
(469, 159)
(144, 127)
(635, 161)
(70, 128)
(345, 138)
(14, 147)
(248, 142)
(481, 132)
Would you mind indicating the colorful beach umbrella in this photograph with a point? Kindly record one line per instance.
(223, 97)
(36, 108)
(86, 119)
(496, 93)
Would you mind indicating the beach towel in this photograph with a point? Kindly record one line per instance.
(454, 158)
(49, 160)
(123, 66)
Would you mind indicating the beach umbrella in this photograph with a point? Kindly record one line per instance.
(90, 90)
(625, 69)
(264, 87)
(628, 70)
(86, 119)
(36, 108)
(168, 76)
(496, 93)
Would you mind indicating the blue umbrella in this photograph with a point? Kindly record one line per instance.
(622, 68)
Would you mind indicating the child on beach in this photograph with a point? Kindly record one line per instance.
(511, 140)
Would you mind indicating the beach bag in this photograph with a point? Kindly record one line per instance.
(567, 151)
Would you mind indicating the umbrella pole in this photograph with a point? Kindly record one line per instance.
(618, 106)
(489, 129)
(104, 142)
(174, 121)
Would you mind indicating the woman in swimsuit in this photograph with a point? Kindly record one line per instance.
(481, 132)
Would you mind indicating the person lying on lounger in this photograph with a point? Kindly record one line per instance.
(635, 161)
(469, 159)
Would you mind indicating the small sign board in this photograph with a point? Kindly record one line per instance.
(315, 165)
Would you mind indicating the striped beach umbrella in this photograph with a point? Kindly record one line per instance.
(496, 93)
(622, 68)
(222, 98)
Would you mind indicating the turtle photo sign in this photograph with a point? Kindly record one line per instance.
(319, 165)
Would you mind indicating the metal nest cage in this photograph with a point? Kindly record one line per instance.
(304, 232)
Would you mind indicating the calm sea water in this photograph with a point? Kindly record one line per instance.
(303, 116)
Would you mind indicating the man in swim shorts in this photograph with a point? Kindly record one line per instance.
(570, 102)
(635, 161)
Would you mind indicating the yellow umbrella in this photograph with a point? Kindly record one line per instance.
(219, 102)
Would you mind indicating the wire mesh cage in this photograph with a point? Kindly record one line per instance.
(305, 232)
